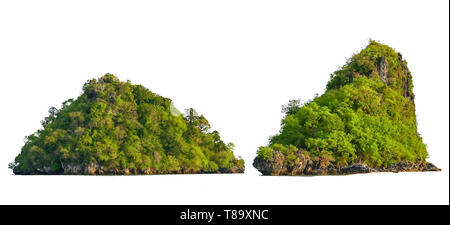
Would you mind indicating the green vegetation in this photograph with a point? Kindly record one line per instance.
(366, 115)
(116, 127)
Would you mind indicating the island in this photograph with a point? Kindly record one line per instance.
(119, 128)
(364, 122)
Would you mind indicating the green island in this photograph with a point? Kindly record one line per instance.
(364, 122)
(116, 127)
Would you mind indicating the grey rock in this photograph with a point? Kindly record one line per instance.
(355, 168)
(383, 69)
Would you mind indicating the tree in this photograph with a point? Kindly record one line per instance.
(291, 107)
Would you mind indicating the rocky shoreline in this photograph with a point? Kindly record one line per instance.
(304, 166)
(94, 169)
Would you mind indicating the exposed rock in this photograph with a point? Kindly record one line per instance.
(382, 68)
(91, 169)
(410, 167)
(355, 168)
(237, 169)
(96, 169)
(300, 164)
(72, 169)
(148, 171)
(303, 165)
(274, 166)
(407, 82)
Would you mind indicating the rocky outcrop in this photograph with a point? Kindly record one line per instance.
(303, 165)
(383, 69)
(355, 168)
(235, 169)
(95, 169)
(274, 166)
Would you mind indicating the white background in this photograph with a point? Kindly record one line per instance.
(236, 62)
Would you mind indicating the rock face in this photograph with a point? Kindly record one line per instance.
(383, 71)
(355, 168)
(95, 169)
(275, 165)
(382, 68)
(305, 166)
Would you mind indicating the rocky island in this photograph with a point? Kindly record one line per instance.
(364, 122)
(116, 127)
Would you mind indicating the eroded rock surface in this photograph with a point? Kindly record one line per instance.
(304, 165)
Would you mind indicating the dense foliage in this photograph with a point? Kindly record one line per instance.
(366, 115)
(118, 125)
